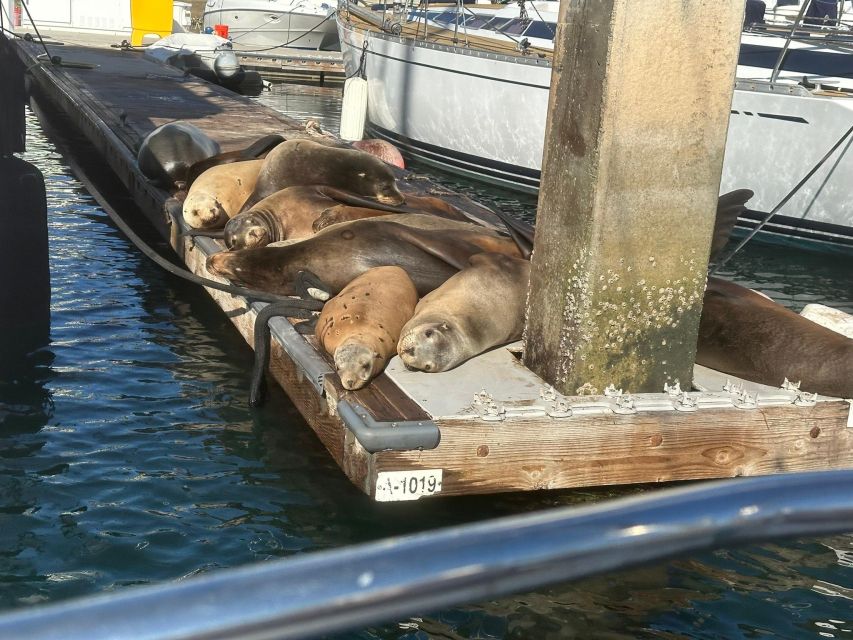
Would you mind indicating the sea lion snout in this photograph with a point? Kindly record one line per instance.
(391, 196)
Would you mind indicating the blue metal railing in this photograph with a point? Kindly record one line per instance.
(325, 592)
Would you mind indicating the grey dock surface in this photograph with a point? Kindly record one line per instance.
(488, 426)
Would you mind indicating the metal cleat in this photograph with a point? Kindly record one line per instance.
(560, 409)
(732, 387)
(491, 412)
(548, 393)
(745, 400)
(612, 392)
(673, 390)
(805, 399)
(685, 403)
(787, 385)
(625, 404)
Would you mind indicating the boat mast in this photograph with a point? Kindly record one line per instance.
(636, 131)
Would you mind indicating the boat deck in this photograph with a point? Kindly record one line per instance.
(488, 426)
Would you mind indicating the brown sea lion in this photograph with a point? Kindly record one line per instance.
(295, 213)
(361, 325)
(480, 307)
(219, 193)
(743, 333)
(167, 153)
(342, 252)
(305, 162)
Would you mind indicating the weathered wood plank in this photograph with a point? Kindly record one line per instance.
(525, 454)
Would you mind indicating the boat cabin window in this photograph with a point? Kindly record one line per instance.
(538, 29)
(495, 24)
(445, 17)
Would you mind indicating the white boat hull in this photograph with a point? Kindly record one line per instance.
(267, 26)
(495, 132)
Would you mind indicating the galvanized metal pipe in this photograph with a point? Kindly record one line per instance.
(325, 592)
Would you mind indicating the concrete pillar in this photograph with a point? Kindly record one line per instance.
(639, 106)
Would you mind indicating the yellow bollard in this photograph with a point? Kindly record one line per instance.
(149, 17)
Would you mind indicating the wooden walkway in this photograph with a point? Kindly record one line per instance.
(487, 426)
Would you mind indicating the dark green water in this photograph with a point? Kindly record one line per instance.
(128, 456)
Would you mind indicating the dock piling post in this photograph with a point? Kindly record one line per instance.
(638, 112)
(25, 287)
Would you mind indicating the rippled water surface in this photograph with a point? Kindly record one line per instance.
(128, 456)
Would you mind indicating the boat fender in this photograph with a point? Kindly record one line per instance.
(226, 65)
(354, 108)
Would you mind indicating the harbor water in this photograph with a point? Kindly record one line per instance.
(128, 456)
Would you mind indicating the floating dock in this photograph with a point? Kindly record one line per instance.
(488, 426)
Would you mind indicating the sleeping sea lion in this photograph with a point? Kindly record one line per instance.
(167, 153)
(294, 213)
(480, 307)
(257, 150)
(219, 193)
(339, 254)
(361, 325)
(305, 162)
(745, 334)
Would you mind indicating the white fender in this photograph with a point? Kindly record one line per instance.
(354, 109)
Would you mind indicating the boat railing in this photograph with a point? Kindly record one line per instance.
(331, 591)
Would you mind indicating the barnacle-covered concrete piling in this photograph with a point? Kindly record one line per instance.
(636, 133)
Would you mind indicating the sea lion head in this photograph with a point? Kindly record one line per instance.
(248, 230)
(203, 211)
(374, 178)
(253, 268)
(357, 363)
(430, 346)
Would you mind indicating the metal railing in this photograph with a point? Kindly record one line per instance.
(330, 591)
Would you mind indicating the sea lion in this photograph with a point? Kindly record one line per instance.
(743, 333)
(167, 153)
(219, 193)
(295, 213)
(479, 308)
(257, 150)
(342, 252)
(360, 326)
(305, 162)
(383, 150)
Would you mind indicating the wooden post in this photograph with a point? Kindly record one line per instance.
(639, 106)
(13, 97)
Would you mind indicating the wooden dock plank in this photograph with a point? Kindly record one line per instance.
(476, 456)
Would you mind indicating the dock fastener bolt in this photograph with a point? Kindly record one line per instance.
(745, 400)
(815, 432)
(674, 390)
(612, 392)
(805, 399)
(625, 405)
(685, 403)
(787, 385)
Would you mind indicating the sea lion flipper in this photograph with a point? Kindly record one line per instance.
(729, 207)
(444, 246)
(521, 232)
